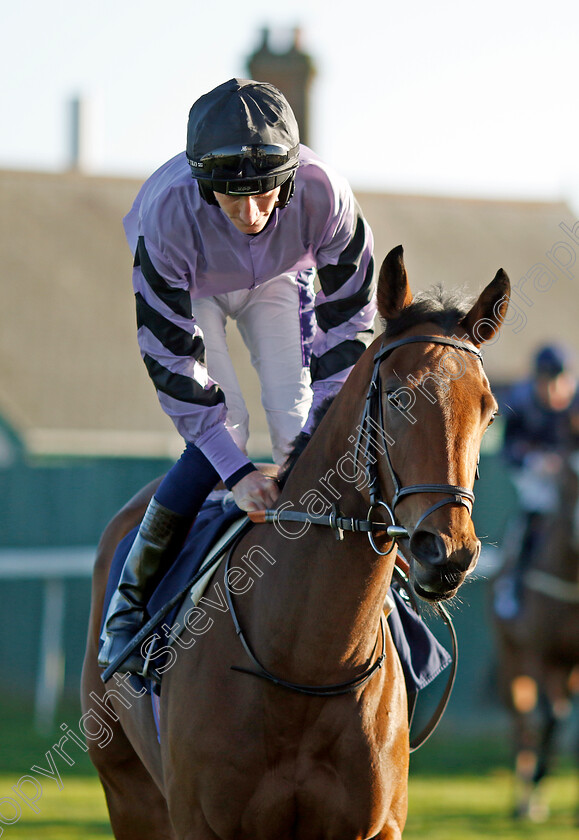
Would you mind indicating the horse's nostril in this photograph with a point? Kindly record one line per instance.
(427, 547)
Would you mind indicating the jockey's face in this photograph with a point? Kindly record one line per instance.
(249, 213)
(557, 392)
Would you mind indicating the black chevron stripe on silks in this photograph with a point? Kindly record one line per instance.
(179, 342)
(181, 387)
(337, 312)
(178, 300)
(340, 357)
(333, 277)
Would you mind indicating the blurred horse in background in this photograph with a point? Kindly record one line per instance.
(538, 648)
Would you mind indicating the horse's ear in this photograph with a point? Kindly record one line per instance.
(486, 316)
(393, 290)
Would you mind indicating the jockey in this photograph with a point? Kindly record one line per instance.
(542, 411)
(237, 226)
(541, 429)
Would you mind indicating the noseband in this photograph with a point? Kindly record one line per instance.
(372, 433)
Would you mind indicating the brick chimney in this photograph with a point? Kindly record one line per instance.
(291, 71)
(77, 150)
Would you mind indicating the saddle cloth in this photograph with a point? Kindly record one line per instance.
(421, 655)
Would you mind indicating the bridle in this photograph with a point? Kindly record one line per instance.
(373, 425)
(372, 435)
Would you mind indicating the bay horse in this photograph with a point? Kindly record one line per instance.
(313, 742)
(538, 649)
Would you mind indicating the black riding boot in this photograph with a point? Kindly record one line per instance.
(159, 538)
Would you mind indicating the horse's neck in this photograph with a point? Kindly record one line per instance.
(330, 592)
(319, 600)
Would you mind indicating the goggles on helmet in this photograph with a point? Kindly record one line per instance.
(245, 170)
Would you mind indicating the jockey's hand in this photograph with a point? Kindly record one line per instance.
(255, 491)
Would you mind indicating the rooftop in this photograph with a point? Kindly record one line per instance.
(71, 379)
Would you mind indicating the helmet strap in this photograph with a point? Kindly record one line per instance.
(286, 191)
(207, 194)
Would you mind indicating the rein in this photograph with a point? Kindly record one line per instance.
(418, 740)
(315, 690)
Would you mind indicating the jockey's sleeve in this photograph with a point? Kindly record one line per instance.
(345, 307)
(173, 350)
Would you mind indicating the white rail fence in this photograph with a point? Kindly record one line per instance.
(53, 566)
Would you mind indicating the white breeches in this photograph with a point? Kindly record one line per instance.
(268, 319)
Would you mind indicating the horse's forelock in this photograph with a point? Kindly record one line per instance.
(436, 305)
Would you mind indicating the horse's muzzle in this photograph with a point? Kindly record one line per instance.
(439, 567)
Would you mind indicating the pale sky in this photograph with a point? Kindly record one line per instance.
(415, 96)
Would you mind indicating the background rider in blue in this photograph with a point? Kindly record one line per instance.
(541, 431)
(238, 226)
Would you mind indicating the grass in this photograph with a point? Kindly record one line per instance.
(77, 812)
(441, 808)
(469, 807)
(460, 789)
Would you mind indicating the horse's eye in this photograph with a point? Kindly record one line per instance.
(492, 420)
(395, 401)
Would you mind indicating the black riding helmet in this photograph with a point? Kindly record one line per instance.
(551, 360)
(243, 139)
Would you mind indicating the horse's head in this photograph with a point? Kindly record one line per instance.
(435, 405)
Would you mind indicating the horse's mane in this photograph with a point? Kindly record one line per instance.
(446, 309)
